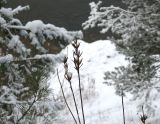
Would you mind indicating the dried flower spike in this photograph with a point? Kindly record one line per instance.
(76, 55)
(68, 76)
(143, 117)
(65, 59)
(78, 63)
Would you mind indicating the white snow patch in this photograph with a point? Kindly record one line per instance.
(98, 57)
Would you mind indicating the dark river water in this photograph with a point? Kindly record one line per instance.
(69, 14)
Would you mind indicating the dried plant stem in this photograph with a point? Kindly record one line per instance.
(65, 98)
(80, 91)
(143, 117)
(26, 112)
(123, 109)
(74, 99)
(78, 63)
(144, 122)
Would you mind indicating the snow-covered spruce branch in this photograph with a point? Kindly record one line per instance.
(36, 32)
(7, 91)
(101, 16)
(15, 27)
(49, 30)
(114, 8)
(9, 12)
(26, 112)
(20, 9)
(5, 59)
(9, 58)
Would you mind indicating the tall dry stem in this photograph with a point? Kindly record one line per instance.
(78, 63)
(65, 100)
(123, 109)
(68, 77)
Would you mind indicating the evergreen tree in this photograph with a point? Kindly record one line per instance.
(137, 35)
(25, 66)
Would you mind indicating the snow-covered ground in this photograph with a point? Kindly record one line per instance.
(101, 104)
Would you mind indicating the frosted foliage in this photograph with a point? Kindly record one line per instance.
(15, 43)
(35, 31)
(7, 58)
(9, 99)
(47, 110)
(137, 28)
(2, 21)
(39, 31)
(9, 94)
(113, 18)
(141, 15)
(8, 12)
(17, 103)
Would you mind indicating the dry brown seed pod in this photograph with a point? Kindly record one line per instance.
(65, 59)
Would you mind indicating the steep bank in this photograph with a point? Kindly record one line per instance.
(101, 104)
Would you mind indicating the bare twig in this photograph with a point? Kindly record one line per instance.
(75, 103)
(123, 108)
(65, 100)
(26, 112)
(80, 90)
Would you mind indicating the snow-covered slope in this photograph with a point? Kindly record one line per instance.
(101, 104)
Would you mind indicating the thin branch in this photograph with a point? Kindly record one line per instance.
(65, 98)
(143, 113)
(80, 90)
(14, 59)
(123, 108)
(118, 8)
(17, 27)
(26, 112)
(75, 103)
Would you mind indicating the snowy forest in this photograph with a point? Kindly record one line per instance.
(51, 75)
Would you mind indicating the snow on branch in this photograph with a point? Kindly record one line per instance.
(36, 32)
(9, 12)
(39, 32)
(139, 16)
(19, 9)
(8, 94)
(105, 17)
(5, 59)
(51, 31)
(51, 57)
